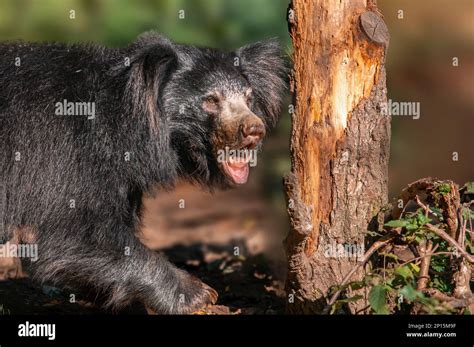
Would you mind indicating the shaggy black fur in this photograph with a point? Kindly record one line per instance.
(76, 183)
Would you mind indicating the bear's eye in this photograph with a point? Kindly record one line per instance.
(212, 100)
(211, 103)
(249, 96)
(249, 99)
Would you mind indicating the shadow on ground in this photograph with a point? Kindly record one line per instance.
(245, 285)
(231, 240)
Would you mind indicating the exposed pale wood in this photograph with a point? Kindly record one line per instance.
(339, 144)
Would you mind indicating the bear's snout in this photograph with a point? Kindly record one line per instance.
(252, 131)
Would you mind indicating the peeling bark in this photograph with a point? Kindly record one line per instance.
(339, 144)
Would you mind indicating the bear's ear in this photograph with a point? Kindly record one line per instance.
(151, 61)
(266, 69)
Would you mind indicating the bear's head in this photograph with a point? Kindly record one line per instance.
(216, 106)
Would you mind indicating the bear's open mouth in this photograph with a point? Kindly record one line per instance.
(236, 165)
(237, 169)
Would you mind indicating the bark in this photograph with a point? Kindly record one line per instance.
(339, 143)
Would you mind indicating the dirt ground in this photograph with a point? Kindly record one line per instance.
(231, 240)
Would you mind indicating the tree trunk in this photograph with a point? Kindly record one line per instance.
(339, 144)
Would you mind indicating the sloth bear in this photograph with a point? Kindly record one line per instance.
(87, 130)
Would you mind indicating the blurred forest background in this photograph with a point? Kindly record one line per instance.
(419, 69)
(419, 62)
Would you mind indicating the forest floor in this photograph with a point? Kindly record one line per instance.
(231, 240)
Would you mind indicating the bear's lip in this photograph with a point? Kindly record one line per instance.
(237, 169)
(249, 143)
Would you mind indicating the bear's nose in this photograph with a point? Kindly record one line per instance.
(253, 130)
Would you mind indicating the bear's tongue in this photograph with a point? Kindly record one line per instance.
(238, 170)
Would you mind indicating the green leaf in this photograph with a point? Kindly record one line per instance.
(351, 299)
(440, 263)
(396, 223)
(444, 188)
(357, 285)
(410, 293)
(431, 236)
(378, 299)
(467, 213)
(437, 212)
(414, 268)
(441, 284)
(405, 272)
(339, 303)
(470, 246)
(419, 237)
(422, 219)
(469, 187)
